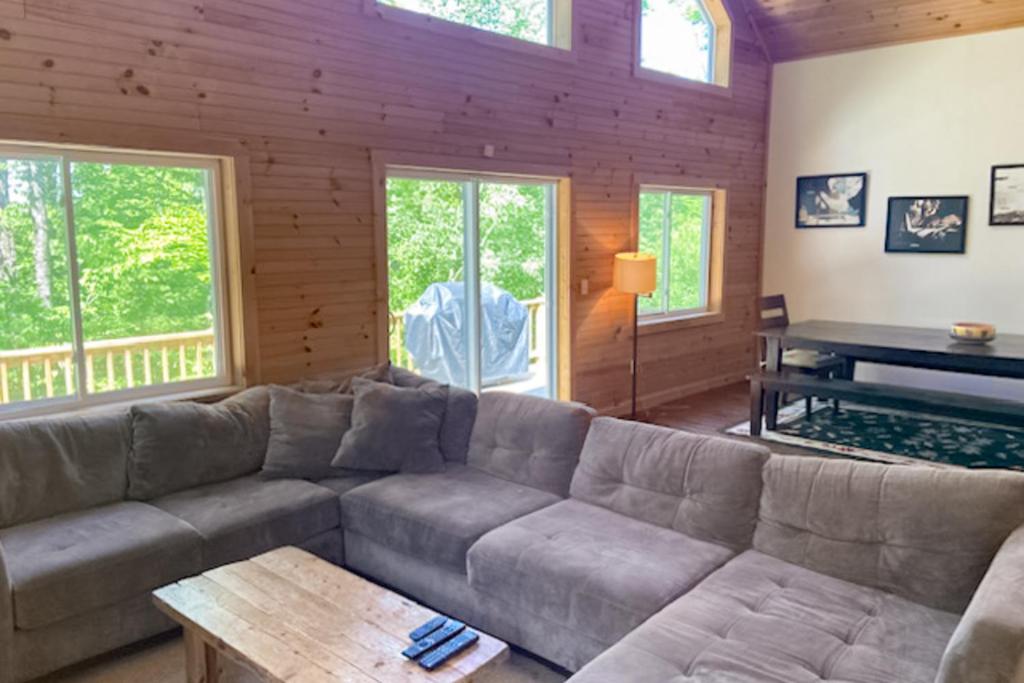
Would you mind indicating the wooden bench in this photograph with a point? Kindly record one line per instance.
(945, 403)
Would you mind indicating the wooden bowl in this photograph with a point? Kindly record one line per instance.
(974, 333)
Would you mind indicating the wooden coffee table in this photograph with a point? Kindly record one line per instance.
(289, 616)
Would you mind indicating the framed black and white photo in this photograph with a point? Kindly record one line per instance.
(927, 225)
(1007, 205)
(831, 201)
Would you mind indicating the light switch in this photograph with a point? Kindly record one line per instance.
(584, 287)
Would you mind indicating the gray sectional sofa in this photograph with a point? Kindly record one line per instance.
(623, 551)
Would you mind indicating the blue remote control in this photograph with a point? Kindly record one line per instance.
(439, 656)
(428, 628)
(450, 629)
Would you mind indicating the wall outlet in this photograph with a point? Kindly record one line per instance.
(489, 151)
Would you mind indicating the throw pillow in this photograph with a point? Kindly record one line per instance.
(394, 429)
(177, 446)
(341, 383)
(305, 433)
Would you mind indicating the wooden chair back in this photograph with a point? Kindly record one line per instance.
(774, 312)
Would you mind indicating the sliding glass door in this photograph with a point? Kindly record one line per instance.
(472, 286)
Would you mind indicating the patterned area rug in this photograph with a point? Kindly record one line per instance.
(893, 436)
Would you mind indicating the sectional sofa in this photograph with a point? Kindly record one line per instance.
(623, 551)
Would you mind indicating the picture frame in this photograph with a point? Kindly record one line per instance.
(1006, 198)
(927, 224)
(836, 200)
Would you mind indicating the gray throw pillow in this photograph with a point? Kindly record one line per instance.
(394, 429)
(305, 433)
(178, 446)
(459, 414)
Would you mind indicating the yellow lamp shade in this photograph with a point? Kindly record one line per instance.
(635, 273)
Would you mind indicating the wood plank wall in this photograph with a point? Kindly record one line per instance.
(311, 88)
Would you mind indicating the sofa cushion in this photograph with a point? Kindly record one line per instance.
(176, 446)
(924, 533)
(394, 428)
(762, 620)
(529, 440)
(459, 415)
(244, 517)
(706, 487)
(589, 569)
(437, 517)
(80, 561)
(305, 432)
(53, 465)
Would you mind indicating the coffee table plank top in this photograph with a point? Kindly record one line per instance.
(290, 616)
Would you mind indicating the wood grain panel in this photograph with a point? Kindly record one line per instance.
(312, 89)
(794, 29)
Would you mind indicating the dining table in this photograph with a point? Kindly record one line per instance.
(914, 347)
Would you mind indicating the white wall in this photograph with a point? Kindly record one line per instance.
(922, 119)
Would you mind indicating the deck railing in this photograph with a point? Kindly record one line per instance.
(28, 374)
(537, 326)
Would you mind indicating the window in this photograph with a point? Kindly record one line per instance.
(109, 278)
(471, 279)
(676, 226)
(537, 21)
(683, 38)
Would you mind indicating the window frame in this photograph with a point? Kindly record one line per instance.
(720, 51)
(713, 312)
(226, 342)
(560, 29)
(557, 254)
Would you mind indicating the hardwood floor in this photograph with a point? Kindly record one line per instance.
(712, 412)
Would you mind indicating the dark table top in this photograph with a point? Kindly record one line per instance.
(824, 334)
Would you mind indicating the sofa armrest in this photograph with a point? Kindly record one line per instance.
(988, 644)
(6, 624)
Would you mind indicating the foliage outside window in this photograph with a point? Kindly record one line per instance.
(677, 37)
(675, 225)
(108, 277)
(529, 20)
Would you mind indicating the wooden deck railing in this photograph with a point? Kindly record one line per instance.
(27, 374)
(537, 326)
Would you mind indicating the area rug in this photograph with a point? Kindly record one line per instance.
(894, 436)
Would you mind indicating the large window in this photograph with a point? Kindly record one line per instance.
(676, 225)
(683, 38)
(536, 21)
(109, 277)
(471, 279)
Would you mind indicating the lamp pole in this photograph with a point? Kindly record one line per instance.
(636, 347)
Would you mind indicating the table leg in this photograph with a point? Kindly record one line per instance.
(202, 664)
(773, 362)
(756, 407)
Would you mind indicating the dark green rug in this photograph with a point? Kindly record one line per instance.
(892, 436)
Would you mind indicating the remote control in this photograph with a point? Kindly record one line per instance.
(428, 628)
(442, 634)
(439, 656)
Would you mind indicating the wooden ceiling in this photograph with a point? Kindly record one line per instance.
(794, 29)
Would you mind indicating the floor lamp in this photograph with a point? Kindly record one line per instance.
(637, 274)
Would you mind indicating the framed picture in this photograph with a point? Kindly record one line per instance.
(831, 201)
(928, 225)
(1007, 205)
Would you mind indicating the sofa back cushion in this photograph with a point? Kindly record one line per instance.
(529, 440)
(703, 486)
(177, 446)
(53, 465)
(923, 533)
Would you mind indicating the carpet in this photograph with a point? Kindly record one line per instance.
(893, 436)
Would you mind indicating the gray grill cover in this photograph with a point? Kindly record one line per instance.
(435, 327)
